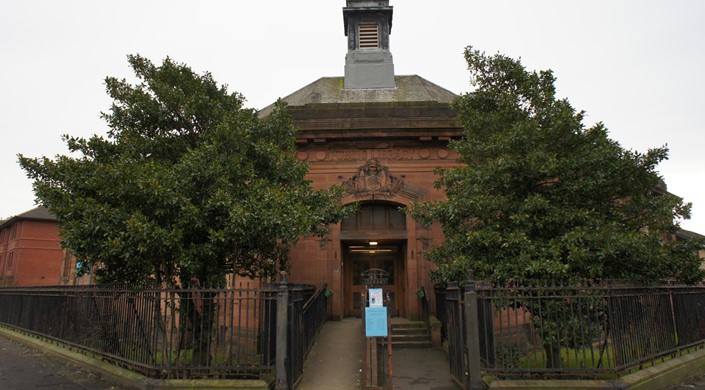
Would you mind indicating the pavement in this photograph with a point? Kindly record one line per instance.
(692, 384)
(335, 360)
(23, 368)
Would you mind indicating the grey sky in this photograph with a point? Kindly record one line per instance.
(637, 66)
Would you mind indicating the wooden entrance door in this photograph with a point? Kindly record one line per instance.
(361, 259)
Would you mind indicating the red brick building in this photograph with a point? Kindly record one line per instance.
(30, 254)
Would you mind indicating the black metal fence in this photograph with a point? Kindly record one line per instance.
(306, 313)
(577, 331)
(170, 333)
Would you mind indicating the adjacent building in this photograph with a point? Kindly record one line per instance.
(30, 251)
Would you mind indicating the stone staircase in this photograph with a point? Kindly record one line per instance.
(410, 334)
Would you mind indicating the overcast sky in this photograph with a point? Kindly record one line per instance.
(637, 66)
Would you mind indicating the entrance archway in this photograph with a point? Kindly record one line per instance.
(375, 237)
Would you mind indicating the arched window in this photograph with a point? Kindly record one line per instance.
(376, 217)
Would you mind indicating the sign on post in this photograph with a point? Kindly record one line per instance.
(375, 318)
(376, 321)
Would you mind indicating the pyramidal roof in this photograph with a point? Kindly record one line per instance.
(330, 90)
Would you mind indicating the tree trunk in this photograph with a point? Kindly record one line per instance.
(553, 356)
(200, 314)
(203, 329)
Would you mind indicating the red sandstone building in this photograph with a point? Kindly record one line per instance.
(380, 136)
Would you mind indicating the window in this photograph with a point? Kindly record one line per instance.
(10, 257)
(368, 36)
(376, 217)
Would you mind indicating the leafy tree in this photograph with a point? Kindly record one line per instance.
(187, 187)
(542, 196)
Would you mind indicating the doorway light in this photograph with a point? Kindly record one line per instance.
(371, 251)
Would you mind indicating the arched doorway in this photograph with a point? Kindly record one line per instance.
(375, 237)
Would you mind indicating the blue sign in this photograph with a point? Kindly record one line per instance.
(376, 321)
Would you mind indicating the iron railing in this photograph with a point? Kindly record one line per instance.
(439, 291)
(455, 331)
(586, 330)
(164, 333)
(307, 314)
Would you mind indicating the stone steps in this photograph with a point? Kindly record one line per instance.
(410, 334)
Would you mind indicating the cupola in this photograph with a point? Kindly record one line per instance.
(368, 63)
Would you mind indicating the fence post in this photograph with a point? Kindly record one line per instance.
(472, 335)
(281, 340)
(365, 344)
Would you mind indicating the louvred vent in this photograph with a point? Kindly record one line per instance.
(369, 36)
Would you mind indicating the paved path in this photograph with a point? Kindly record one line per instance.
(421, 369)
(693, 384)
(24, 368)
(334, 362)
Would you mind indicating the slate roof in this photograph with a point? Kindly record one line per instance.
(329, 90)
(688, 235)
(40, 213)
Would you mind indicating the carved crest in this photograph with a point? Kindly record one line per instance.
(373, 179)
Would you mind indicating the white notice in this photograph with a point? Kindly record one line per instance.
(376, 297)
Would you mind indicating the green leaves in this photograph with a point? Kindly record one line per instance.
(187, 187)
(542, 196)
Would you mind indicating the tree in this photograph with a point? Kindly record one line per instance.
(542, 196)
(187, 187)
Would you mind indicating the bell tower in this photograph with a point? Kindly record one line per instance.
(368, 63)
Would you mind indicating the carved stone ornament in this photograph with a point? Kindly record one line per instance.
(373, 180)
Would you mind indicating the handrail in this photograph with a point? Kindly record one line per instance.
(315, 296)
